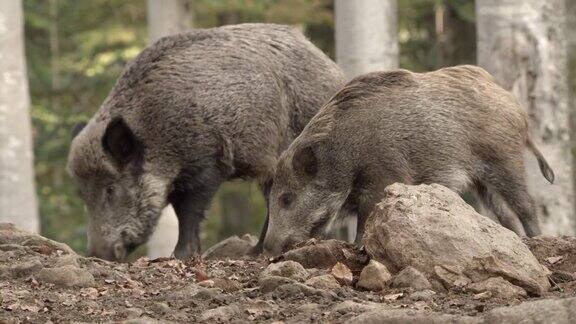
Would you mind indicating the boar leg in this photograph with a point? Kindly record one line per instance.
(496, 206)
(508, 180)
(190, 206)
(258, 249)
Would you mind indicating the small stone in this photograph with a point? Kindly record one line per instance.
(326, 281)
(409, 277)
(133, 312)
(231, 248)
(342, 274)
(270, 283)
(498, 287)
(207, 283)
(287, 269)
(424, 295)
(160, 308)
(374, 276)
(67, 276)
(227, 285)
(220, 314)
(483, 295)
(297, 289)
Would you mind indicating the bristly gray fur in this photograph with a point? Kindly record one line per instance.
(206, 106)
(454, 126)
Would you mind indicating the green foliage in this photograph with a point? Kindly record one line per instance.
(77, 49)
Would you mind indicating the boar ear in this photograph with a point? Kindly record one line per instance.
(305, 162)
(120, 143)
(76, 129)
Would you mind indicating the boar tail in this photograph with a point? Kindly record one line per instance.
(546, 170)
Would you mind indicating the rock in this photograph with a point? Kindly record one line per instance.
(9, 234)
(374, 276)
(422, 295)
(227, 285)
(348, 306)
(67, 259)
(231, 248)
(297, 289)
(431, 228)
(20, 269)
(342, 274)
(270, 283)
(209, 283)
(220, 314)
(287, 269)
(498, 287)
(326, 281)
(409, 277)
(558, 311)
(67, 276)
(159, 308)
(144, 320)
(325, 254)
(393, 316)
(260, 309)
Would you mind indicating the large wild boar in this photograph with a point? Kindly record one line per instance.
(189, 112)
(454, 127)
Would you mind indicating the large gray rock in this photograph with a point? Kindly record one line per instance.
(557, 311)
(431, 228)
(394, 316)
(231, 248)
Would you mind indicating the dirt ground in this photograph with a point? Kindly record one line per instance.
(218, 290)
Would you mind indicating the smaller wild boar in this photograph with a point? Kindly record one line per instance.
(454, 126)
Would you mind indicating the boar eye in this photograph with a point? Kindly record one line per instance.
(110, 190)
(286, 200)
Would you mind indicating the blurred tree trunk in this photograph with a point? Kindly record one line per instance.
(571, 38)
(523, 44)
(366, 37)
(366, 41)
(17, 193)
(166, 17)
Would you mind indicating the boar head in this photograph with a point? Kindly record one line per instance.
(306, 197)
(123, 200)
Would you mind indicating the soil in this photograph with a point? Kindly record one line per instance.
(198, 290)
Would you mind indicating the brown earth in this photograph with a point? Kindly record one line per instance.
(41, 280)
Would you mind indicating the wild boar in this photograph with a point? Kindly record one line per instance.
(188, 113)
(454, 126)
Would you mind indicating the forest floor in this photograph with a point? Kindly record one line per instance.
(43, 281)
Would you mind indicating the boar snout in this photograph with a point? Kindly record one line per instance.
(117, 251)
(275, 247)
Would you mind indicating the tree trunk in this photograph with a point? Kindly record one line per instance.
(17, 193)
(366, 36)
(166, 17)
(366, 41)
(522, 44)
(571, 38)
